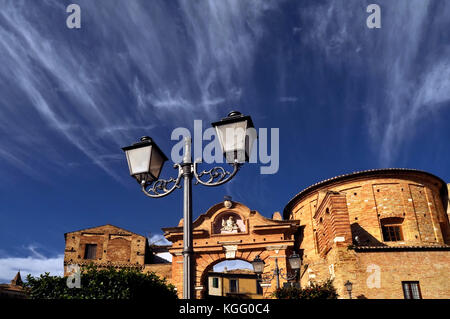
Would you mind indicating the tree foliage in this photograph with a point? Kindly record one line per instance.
(97, 283)
(324, 290)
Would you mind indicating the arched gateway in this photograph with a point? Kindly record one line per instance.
(230, 230)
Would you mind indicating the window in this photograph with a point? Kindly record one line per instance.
(215, 282)
(90, 251)
(392, 229)
(233, 285)
(392, 233)
(411, 290)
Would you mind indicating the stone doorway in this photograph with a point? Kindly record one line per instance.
(232, 232)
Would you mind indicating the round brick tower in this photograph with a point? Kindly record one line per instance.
(389, 211)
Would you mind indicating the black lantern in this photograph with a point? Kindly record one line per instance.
(145, 160)
(236, 134)
(295, 261)
(349, 287)
(258, 265)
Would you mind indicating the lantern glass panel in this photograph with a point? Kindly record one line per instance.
(236, 140)
(348, 285)
(232, 136)
(258, 266)
(139, 159)
(157, 161)
(294, 261)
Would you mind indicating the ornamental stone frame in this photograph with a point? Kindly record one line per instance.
(255, 235)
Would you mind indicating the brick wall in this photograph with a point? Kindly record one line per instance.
(429, 268)
(115, 246)
(366, 202)
(161, 270)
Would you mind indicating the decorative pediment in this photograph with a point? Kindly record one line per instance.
(228, 222)
(232, 220)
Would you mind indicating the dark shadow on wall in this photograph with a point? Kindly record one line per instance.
(362, 238)
(151, 256)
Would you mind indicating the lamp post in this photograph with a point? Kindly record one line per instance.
(145, 159)
(294, 261)
(349, 287)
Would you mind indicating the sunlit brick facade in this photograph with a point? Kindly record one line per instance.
(387, 231)
(112, 246)
(392, 223)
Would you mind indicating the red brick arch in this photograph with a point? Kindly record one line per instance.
(270, 238)
(202, 271)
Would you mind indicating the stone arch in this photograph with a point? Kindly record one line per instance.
(202, 270)
(272, 239)
(203, 278)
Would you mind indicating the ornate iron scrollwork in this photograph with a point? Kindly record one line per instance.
(163, 187)
(215, 176)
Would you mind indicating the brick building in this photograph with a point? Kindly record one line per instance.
(14, 289)
(386, 231)
(236, 283)
(110, 245)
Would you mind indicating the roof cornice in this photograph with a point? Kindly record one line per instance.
(355, 175)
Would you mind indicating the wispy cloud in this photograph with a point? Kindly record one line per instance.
(133, 66)
(407, 62)
(158, 239)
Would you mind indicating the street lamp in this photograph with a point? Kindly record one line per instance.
(258, 265)
(349, 287)
(145, 162)
(294, 261)
(234, 133)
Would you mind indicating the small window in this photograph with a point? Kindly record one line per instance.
(233, 285)
(90, 252)
(392, 229)
(392, 233)
(411, 290)
(215, 282)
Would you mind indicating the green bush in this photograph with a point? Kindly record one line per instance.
(101, 284)
(325, 290)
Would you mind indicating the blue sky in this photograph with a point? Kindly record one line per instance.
(344, 97)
